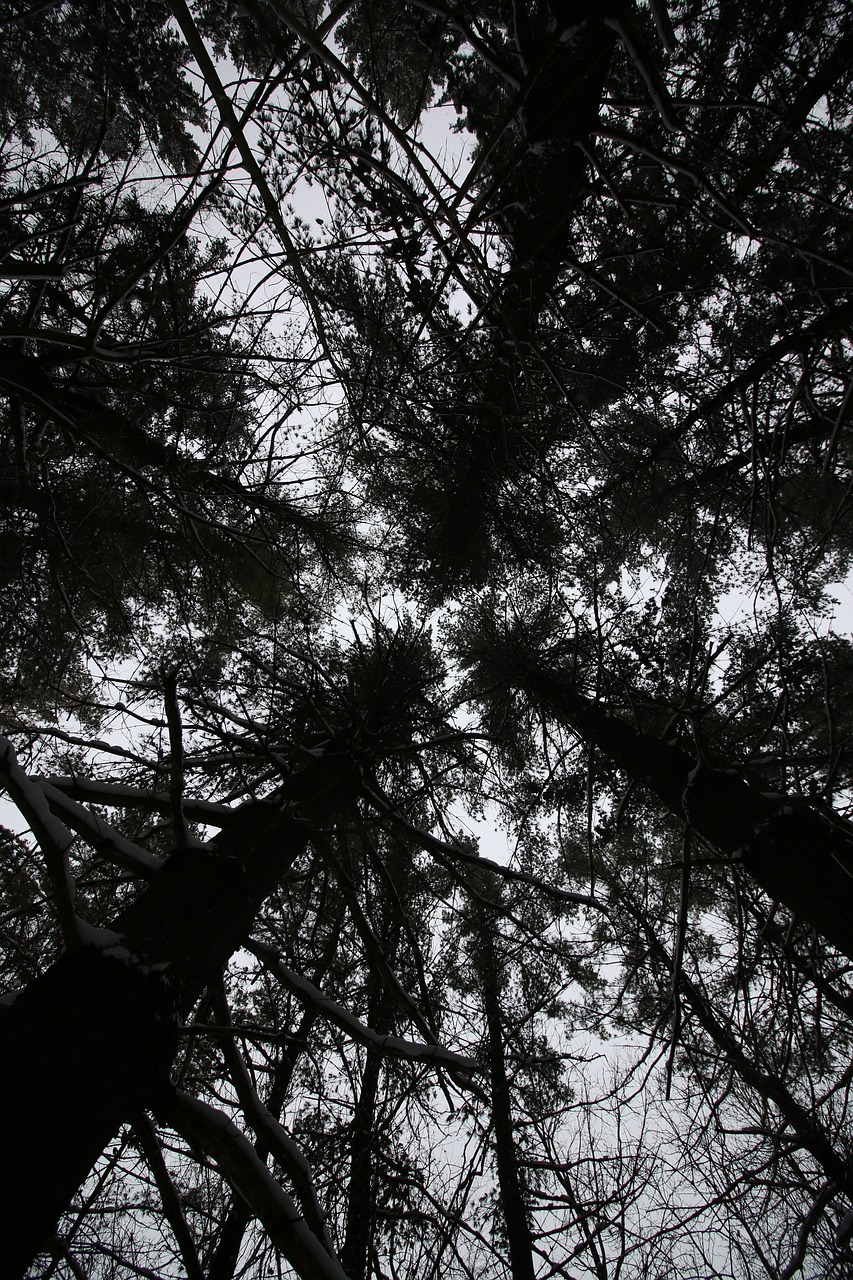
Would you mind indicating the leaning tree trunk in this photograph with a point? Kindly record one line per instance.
(90, 1042)
(800, 855)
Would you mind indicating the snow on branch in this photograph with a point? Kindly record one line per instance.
(394, 1046)
(97, 833)
(116, 794)
(266, 1126)
(214, 1133)
(54, 838)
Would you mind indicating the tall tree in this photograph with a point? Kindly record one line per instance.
(416, 416)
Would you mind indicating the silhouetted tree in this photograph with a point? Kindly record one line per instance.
(416, 415)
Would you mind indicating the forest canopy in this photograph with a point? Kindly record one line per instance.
(427, 723)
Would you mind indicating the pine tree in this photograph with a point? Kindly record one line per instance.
(510, 483)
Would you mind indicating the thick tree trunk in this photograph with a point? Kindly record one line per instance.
(800, 855)
(564, 51)
(91, 1041)
(81, 1048)
(561, 54)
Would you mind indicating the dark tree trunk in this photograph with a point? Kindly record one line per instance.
(512, 1201)
(565, 54)
(800, 855)
(226, 1254)
(561, 55)
(81, 1049)
(91, 1042)
(361, 1211)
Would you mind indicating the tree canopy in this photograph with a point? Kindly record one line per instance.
(427, 729)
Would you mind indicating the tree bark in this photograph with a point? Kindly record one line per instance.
(361, 1210)
(565, 50)
(800, 855)
(91, 1042)
(512, 1201)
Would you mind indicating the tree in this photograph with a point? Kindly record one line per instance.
(328, 533)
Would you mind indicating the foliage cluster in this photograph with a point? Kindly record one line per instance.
(422, 420)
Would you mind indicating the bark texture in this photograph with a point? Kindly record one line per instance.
(92, 1040)
(801, 855)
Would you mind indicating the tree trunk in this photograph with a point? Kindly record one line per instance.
(509, 1183)
(355, 1252)
(361, 1209)
(565, 51)
(800, 855)
(91, 1041)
